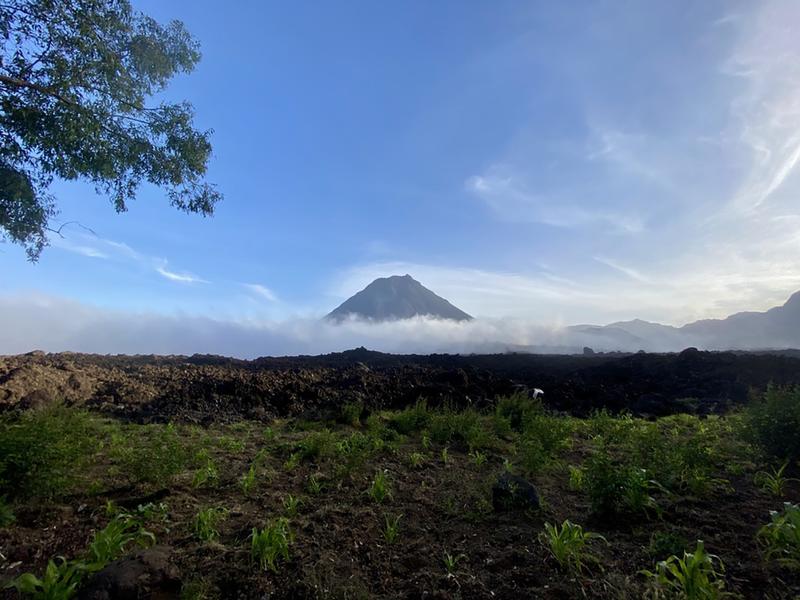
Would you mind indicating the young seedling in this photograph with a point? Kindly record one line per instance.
(478, 457)
(416, 459)
(697, 575)
(248, 481)
(291, 504)
(445, 455)
(207, 521)
(774, 482)
(314, 485)
(451, 562)
(391, 529)
(206, 475)
(379, 489)
(271, 544)
(569, 545)
(575, 478)
(780, 538)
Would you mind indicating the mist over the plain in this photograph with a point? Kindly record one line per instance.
(53, 324)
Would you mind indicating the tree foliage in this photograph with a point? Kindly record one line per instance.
(74, 79)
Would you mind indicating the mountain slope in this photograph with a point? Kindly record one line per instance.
(394, 298)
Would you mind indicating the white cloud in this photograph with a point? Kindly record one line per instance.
(511, 201)
(261, 291)
(179, 277)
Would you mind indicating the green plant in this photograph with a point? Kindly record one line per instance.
(59, 582)
(615, 488)
(6, 514)
(316, 445)
(515, 408)
(416, 459)
(569, 545)
(351, 414)
(411, 419)
(45, 452)
(207, 475)
(206, 522)
(314, 485)
(666, 543)
(268, 434)
(113, 540)
(426, 441)
(780, 538)
(445, 455)
(772, 422)
(774, 482)
(271, 544)
(292, 462)
(575, 478)
(379, 488)
(451, 561)
(391, 528)
(151, 454)
(248, 481)
(478, 457)
(291, 504)
(697, 575)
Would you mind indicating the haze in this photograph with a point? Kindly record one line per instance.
(538, 165)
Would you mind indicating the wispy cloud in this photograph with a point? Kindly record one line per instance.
(179, 277)
(94, 246)
(261, 291)
(511, 201)
(627, 271)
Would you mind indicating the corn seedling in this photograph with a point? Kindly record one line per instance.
(569, 545)
(271, 544)
(426, 441)
(575, 478)
(291, 505)
(207, 521)
(112, 541)
(478, 457)
(451, 561)
(379, 489)
(207, 475)
(780, 538)
(774, 482)
(292, 461)
(248, 481)
(314, 485)
(696, 576)
(59, 582)
(391, 529)
(416, 459)
(445, 456)
(508, 467)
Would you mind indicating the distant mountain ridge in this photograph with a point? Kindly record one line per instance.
(396, 297)
(776, 328)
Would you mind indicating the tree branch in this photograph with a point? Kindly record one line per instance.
(21, 83)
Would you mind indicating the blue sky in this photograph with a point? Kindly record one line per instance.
(555, 162)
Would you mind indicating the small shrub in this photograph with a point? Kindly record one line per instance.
(151, 454)
(615, 488)
(666, 543)
(391, 529)
(317, 445)
(569, 545)
(207, 521)
(774, 482)
(379, 489)
(351, 414)
(772, 422)
(45, 452)
(271, 544)
(6, 513)
(697, 575)
(516, 408)
(780, 538)
(412, 419)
